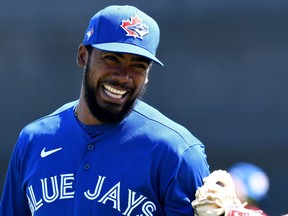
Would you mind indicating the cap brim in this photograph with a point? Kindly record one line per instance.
(127, 48)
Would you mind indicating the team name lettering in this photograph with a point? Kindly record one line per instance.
(61, 187)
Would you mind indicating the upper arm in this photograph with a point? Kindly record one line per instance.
(14, 201)
(187, 176)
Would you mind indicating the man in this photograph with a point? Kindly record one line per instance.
(107, 153)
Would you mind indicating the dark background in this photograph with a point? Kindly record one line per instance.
(225, 75)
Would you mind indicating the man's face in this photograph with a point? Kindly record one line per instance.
(112, 83)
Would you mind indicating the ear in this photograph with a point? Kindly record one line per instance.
(82, 56)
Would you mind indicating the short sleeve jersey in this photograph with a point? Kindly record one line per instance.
(145, 165)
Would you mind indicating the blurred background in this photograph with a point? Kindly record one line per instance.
(225, 75)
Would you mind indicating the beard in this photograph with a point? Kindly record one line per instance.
(106, 112)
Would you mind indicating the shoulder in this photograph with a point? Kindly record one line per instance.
(177, 149)
(162, 127)
(40, 132)
(49, 123)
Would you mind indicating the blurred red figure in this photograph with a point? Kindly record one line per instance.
(251, 184)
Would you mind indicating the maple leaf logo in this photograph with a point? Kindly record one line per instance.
(134, 27)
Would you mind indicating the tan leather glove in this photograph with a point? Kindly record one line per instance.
(217, 197)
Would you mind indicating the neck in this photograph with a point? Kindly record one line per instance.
(84, 115)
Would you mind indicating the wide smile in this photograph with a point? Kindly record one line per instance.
(113, 92)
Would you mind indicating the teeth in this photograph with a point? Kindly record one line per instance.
(114, 93)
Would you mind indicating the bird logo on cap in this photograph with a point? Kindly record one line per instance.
(89, 33)
(134, 27)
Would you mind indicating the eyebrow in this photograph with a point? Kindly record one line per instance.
(136, 58)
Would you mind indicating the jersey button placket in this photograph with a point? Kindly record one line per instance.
(90, 148)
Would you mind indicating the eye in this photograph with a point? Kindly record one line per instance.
(142, 63)
(143, 66)
(110, 58)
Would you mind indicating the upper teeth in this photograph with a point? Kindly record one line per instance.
(111, 90)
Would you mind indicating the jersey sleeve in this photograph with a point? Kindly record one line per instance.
(185, 178)
(14, 201)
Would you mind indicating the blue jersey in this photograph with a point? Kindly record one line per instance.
(145, 165)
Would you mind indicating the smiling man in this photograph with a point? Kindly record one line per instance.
(107, 153)
(112, 83)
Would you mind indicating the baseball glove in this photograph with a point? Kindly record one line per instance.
(217, 197)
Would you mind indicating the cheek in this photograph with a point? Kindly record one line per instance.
(140, 83)
(140, 78)
(93, 77)
(141, 88)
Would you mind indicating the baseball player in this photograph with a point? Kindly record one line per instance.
(107, 153)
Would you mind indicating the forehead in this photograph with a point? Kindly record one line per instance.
(132, 57)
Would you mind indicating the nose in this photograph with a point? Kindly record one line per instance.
(123, 75)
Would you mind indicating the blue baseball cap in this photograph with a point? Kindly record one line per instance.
(124, 29)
